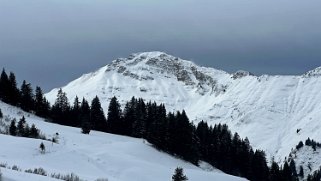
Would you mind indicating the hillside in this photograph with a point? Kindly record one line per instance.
(266, 109)
(98, 155)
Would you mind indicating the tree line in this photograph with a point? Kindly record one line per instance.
(25, 98)
(22, 129)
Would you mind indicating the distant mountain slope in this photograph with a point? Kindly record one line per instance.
(267, 109)
(98, 155)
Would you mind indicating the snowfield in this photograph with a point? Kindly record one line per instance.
(98, 155)
(11, 175)
(266, 109)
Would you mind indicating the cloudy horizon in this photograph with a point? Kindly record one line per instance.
(53, 42)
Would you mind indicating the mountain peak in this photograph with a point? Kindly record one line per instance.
(149, 66)
(152, 54)
(149, 58)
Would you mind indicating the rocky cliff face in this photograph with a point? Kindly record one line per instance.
(145, 66)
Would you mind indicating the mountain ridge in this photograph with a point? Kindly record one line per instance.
(268, 109)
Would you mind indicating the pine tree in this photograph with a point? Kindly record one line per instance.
(275, 174)
(13, 94)
(1, 115)
(34, 132)
(139, 125)
(27, 101)
(4, 86)
(129, 117)
(186, 139)
(259, 166)
(179, 175)
(114, 117)
(61, 109)
(308, 142)
(203, 133)
(75, 113)
(42, 106)
(293, 168)
(300, 145)
(21, 126)
(301, 173)
(62, 101)
(85, 117)
(286, 172)
(157, 126)
(13, 128)
(26, 131)
(172, 140)
(97, 116)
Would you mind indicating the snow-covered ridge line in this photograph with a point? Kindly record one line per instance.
(313, 73)
(267, 109)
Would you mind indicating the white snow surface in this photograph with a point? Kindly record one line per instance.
(93, 156)
(11, 175)
(266, 109)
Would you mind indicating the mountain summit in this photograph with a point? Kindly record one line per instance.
(163, 76)
(267, 109)
(153, 65)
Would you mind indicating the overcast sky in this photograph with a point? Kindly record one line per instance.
(51, 42)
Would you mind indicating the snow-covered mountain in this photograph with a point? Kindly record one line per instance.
(93, 156)
(267, 109)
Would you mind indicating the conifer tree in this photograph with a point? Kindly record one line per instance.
(139, 125)
(259, 166)
(34, 132)
(1, 114)
(151, 109)
(21, 126)
(286, 172)
(157, 126)
(186, 138)
(179, 175)
(293, 168)
(41, 103)
(13, 94)
(13, 128)
(129, 117)
(97, 116)
(76, 105)
(114, 117)
(75, 113)
(26, 131)
(275, 174)
(4, 86)
(62, 101)
(301, 173)
(85, 117)
(61, 109)
(27, 101)
(203, 133)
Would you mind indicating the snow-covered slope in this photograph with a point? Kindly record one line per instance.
(11, 175)
(267, 109)
(98, 155)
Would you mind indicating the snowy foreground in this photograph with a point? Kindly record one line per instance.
(98, 155)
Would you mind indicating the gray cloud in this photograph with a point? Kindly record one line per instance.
(54, 41)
